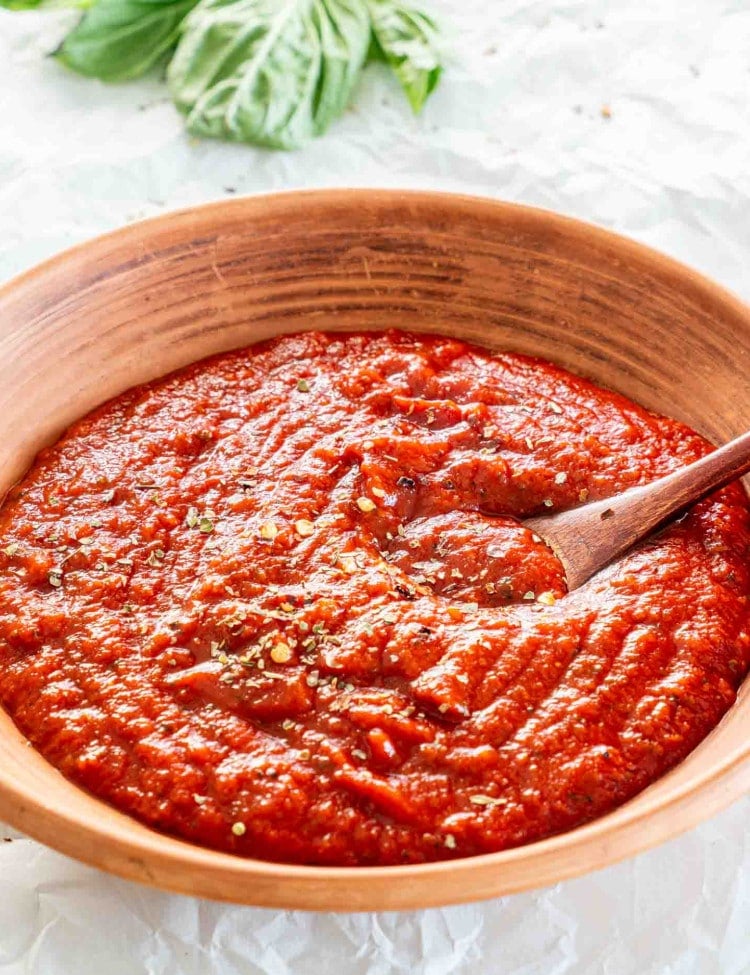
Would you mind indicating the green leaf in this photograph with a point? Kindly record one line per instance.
(20, 4)
(121, 39)
(407, 41)
(44, 4)
(269, 72)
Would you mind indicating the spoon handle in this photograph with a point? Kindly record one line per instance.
(672, 493)
(590, 537)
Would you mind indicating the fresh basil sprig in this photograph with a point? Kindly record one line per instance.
(269, 72)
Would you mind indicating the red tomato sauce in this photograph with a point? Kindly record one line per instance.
(280, 603)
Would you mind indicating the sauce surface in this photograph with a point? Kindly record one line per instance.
(280, 603)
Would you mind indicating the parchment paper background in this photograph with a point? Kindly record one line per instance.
(519, 116)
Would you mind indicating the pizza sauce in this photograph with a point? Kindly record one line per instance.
(282, 603)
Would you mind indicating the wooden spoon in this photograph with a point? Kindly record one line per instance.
(588, 538)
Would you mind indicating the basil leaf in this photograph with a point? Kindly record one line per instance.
(407, 40)
(270, 72)
(121, 39)
(44, 4)
(20, 4)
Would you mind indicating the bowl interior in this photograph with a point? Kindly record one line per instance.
(138, 303)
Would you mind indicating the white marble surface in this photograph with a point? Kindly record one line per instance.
(519, 116)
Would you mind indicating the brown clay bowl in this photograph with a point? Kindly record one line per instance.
(140, 302)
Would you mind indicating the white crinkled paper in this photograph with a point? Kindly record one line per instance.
(519, 115)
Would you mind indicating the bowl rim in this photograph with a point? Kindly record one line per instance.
(586, 848)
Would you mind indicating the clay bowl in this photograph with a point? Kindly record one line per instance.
(140, 302)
